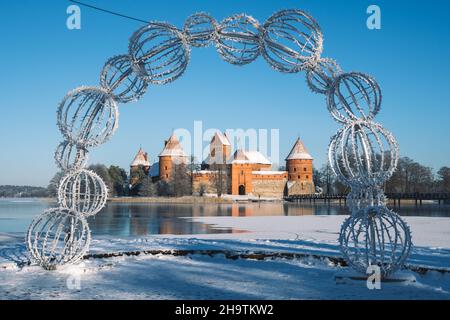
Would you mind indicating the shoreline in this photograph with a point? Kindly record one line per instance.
(176, 200)
(226, 199)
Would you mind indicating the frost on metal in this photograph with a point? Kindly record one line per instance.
(238, 39)
(362, 154)
(200, 29)
(82, 191)
(159, 53)
(119, 79)
(58, 236)
(375, 235)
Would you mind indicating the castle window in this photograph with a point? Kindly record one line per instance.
(304, 169)
(295, 169)
(213, 152)
(299, 177)
(242, 171)
(165, 168)
(167, 175)
(307, 177)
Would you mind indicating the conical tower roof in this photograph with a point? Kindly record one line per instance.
(299, 152)
(172, 148)
(141, 159)
(222, 138)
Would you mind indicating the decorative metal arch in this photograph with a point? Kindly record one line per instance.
(362, 154)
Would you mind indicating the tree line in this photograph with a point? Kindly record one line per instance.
(410, 177)
(9, 191)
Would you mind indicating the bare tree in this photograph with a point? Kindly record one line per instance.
(181, 181)
(409, 177)
(147, 188)
(192, 167)
(220, 180)
(202, 189)
(444, 179)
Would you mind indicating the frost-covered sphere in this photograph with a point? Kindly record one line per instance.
(354, 96)
(57, 237)
(159, 53)
(88, 116)
(82, 191)
(291, 39)
(119, 78)
(70, 156)
(363, 154)
(200, 29)
(375, 236)
(238, 39)
(320, 77)
(360, 198)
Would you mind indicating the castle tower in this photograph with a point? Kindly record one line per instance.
(219, 150)
(241, 174)
(171, 154)
(299, 165)
(140, 162)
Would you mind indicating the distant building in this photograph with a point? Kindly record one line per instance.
(172, 154)
(245, 172)
(140, 162)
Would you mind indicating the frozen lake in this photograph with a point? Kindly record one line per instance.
(140, 219)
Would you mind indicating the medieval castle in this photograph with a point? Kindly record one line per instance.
(244, 173)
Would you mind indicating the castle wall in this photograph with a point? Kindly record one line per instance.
(203, 179)
(269, 187)
(297, 188)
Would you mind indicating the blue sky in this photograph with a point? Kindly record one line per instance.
(41, 60)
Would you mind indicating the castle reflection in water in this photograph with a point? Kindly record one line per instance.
(139, 219)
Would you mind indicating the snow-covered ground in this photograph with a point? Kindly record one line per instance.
(200, 276)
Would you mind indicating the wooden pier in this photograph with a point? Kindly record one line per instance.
(418, 198)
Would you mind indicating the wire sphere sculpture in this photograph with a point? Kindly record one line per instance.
(238, 39)
(354, 96)
(200, 30)
(375, 236)
(320, 76)
(368, 197)
(159, 53)
(362, 154)
(291, 39)
(82, 191)
(88, 116)
(70, 156)
(119, 79)
(58, 236)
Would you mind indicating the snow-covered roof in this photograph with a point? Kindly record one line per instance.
(299, 152)
(222, 138)
(264, 172)
(205, 172)
(242, 156)
(172, 148)
(141, 159)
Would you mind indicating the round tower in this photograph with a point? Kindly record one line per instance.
(165, 167)
(299, 165)
(171, 154)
